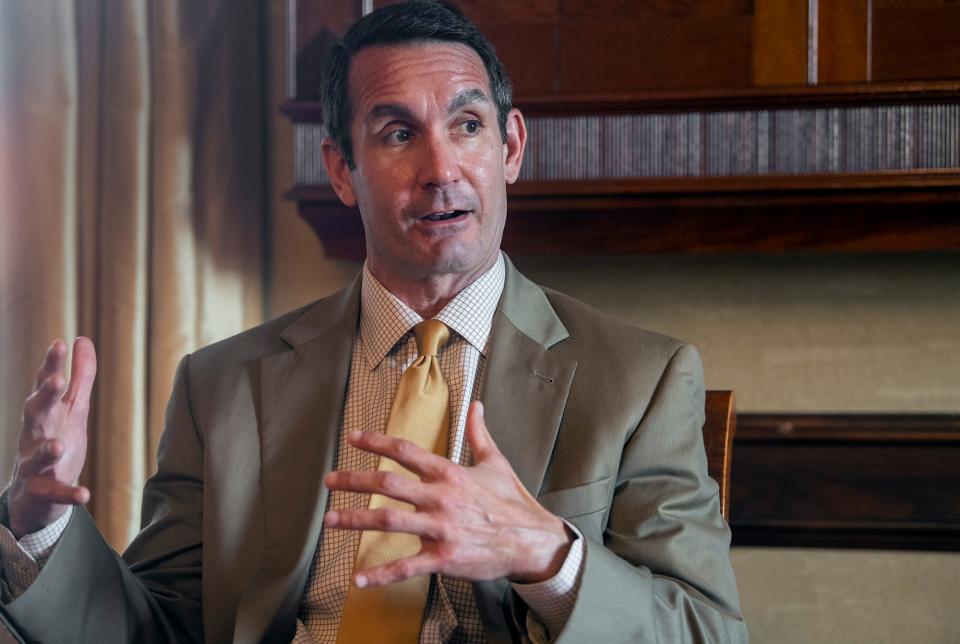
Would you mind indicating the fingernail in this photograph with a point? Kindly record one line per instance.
(480, 406)
(360, 581)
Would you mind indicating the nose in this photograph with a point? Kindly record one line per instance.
(439, 164)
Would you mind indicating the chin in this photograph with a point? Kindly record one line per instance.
(454, 258)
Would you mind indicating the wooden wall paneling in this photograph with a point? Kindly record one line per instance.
(919, 39)
(524, 33)
(847, 480)
(843, 49)
(622, 45)
(780, 42)
(318, 26)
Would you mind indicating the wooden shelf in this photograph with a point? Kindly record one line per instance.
(806, 184)
(903, 181)
(876, 212)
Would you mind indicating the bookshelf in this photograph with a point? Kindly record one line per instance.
(712, 126)
(843, 168)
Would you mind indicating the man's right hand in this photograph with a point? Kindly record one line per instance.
(53, 440)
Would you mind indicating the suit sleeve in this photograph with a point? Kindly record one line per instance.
(662, 572)
(87, 593)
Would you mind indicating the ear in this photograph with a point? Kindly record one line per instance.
(338, 171)
(514, 145)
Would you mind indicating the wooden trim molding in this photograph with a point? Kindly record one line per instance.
(866, 182)
(710, 100)
(847, 480)
(922, 181)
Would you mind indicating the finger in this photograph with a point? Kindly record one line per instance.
(53, 362)
(45, 456)
(82, 373)
(477, 435)
(41, 400)
(396, 486)
(422, 463)
(385, 520)
(54, 492)
(419, 564)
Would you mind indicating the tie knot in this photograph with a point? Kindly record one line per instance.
(431, 336)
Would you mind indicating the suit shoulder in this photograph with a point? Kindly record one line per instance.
(259, 341)
(585, 324)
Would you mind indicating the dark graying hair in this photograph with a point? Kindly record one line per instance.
(405, 22)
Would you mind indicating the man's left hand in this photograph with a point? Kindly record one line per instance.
(476, 522)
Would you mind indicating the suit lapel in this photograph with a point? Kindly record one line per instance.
(524, 394)
(302, 392)
(526, 385)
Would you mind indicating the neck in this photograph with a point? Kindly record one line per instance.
(427, 294)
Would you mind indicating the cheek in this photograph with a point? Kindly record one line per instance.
(377, 188)
(488, 166)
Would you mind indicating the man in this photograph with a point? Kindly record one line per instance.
(574, 504)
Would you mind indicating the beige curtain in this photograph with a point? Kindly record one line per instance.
(131, 208)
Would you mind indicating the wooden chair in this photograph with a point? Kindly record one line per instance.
(718, 431)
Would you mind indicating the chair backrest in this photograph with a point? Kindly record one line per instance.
(718, 430)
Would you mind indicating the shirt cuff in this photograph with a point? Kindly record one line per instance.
(23, 559)
(550, 602)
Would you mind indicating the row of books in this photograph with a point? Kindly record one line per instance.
(734, 143)
(750, 142)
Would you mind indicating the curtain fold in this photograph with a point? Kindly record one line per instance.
(132, 210)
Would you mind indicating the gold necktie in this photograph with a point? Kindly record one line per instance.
(420, 414)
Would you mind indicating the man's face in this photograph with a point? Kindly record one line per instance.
(431, 166)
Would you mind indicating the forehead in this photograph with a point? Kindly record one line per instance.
(417, 75)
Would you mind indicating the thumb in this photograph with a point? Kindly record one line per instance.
(477, 435)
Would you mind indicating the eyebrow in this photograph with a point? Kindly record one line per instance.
(466, 97)
(389, 109)
(396, 110)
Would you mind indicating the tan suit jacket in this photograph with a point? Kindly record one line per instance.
(601, 422)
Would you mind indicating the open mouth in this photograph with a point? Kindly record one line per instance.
(444, 216)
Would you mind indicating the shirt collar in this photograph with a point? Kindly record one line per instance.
(385, 320)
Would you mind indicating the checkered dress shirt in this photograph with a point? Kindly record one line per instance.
(23, 559)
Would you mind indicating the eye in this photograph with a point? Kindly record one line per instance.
(471, 127)
(397, 136)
